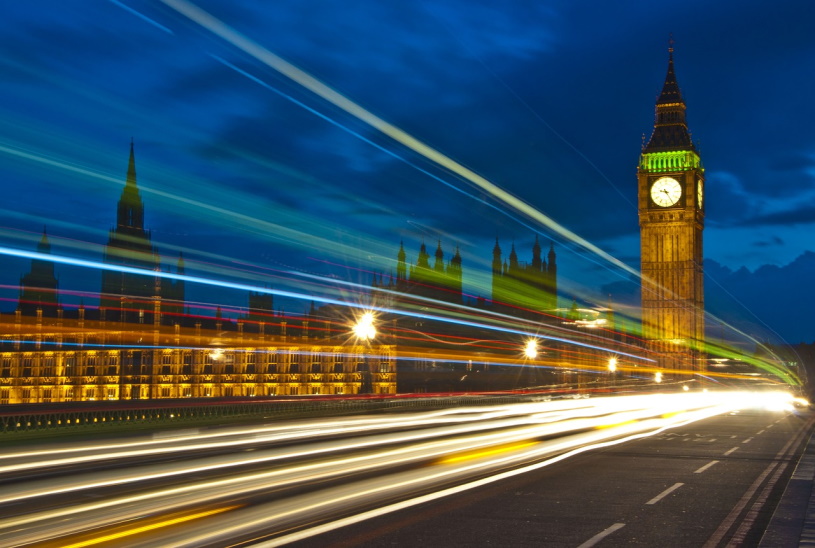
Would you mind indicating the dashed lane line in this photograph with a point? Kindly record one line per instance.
(665, 493)
(705, 467)
(601, 535)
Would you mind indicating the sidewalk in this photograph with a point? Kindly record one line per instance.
(793, 523)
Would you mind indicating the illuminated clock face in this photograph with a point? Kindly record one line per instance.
(699, 192)
(666, 191)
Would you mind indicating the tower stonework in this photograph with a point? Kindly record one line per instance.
(671, 186)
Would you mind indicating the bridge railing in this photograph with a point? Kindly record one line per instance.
(162, 413)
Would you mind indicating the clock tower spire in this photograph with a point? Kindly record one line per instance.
(670, 187)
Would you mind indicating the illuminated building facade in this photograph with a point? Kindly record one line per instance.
(671, 187)
(139, 344)
(58, 360)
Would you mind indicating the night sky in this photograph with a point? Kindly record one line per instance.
(255, 178)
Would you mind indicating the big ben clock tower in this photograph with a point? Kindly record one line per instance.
(671, 212)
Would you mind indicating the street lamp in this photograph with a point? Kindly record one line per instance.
(612, 364)
(658, 377)
(364, 328)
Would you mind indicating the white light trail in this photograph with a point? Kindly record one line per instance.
(527, 436)
(314, 85)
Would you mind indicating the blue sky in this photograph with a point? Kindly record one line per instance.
(238, 165)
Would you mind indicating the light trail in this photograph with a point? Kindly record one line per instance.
(483, 443)
(281, 515)
(142, 16)
(291, 294)
(149, 527)
(325, 92)
(459, 313)
(255, 50)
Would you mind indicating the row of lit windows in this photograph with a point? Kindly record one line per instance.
(32, 395)
(90, 370)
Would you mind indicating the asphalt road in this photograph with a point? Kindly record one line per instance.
(677, 469)
(706, 484)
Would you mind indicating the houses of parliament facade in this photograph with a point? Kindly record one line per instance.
(142, 342)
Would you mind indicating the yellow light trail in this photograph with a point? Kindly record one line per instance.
(150, 527)
(472, 455)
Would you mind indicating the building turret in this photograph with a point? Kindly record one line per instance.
(38, 288)
(537, 262)
(454, 273)
(438, 265)
(401, 267)
(127, 295)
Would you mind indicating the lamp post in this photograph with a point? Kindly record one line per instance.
(612, 369)
(365, 330)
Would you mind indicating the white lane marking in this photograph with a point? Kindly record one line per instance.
(748, 440)
(760, 432)
(665, 493)
(730, 451)
(705, 467)
(769, 426)
(711, 440)
(731, 437)
(601, 535)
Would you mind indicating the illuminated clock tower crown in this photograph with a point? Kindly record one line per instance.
(671, 192)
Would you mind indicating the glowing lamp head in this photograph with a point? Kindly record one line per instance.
(364, 328)
(658, 377)
(216, 354)
(612, 364)
(531, 349)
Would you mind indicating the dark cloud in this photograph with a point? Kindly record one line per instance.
(772, 300)
(804, 215)
(775, 240)
(796, 162)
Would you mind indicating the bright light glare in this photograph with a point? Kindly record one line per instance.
(364, 328)
(531, 349)
(658, 376)
(216, 354)
(612, 364)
